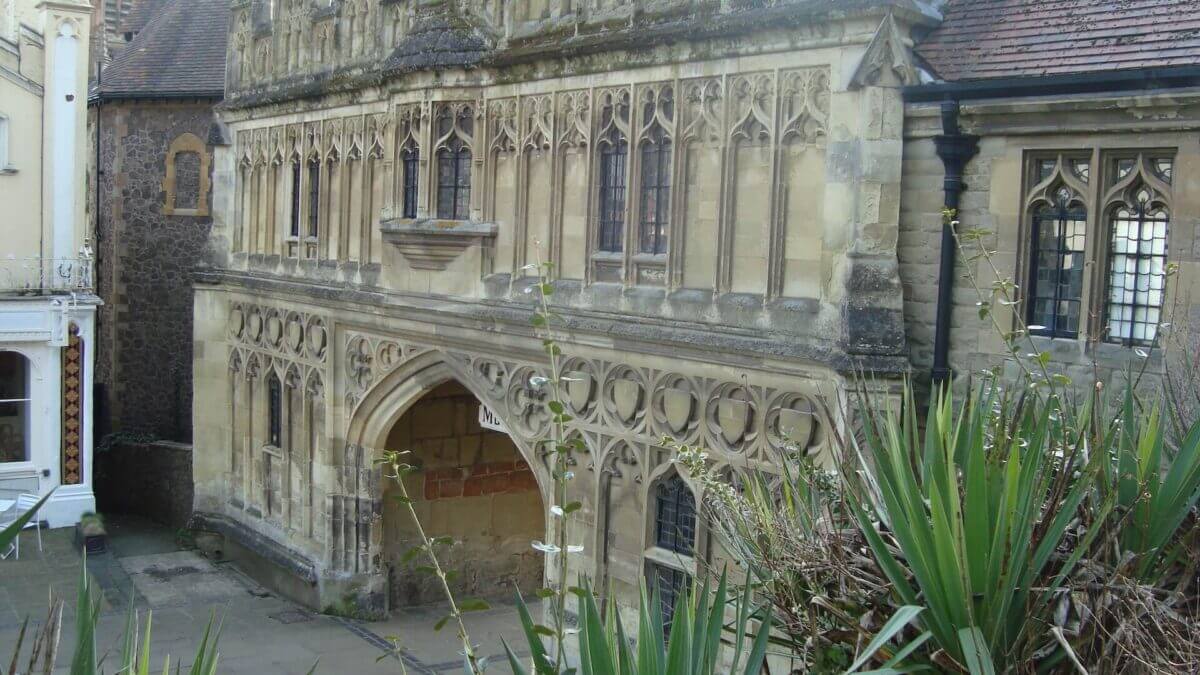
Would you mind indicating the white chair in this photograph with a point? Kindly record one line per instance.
(22, 505)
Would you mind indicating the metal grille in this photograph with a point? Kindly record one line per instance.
(410, 157)
(295, 222)
(671, 585)
(656, 196)
(1056, 284)
(275, 412)
(675, 516)
(454, 180)
(314, 198)
(612, 193)
(1137, 272)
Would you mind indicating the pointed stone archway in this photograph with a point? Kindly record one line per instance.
(481, 487)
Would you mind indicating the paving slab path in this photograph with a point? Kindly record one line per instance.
(261, 633)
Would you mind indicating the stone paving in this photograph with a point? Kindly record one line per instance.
(261, 632)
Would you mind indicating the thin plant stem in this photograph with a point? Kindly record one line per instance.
(428, 544)
(561, 465)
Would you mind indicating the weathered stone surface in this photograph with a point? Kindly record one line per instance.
(145, 265)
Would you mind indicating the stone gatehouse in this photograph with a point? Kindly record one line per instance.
(742, 203)
(717, 185)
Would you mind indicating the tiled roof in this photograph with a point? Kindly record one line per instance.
(179, 52)
(137, 14)
(984, 39)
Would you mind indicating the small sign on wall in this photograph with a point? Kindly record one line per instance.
(489, 420)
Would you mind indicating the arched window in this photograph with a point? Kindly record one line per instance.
(314, 198)
(1137, 269)
(658, 113)
(1057, 269)
(656, 195)
(294, 221)
(187, 180)
(454, 162)
(410, 158)
(614, 151)
(274, 411)
(14, 407)
(673, 545)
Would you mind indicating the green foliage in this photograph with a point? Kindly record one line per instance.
(995, 514)
(698, 642)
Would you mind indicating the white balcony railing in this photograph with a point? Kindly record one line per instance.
(43, 276)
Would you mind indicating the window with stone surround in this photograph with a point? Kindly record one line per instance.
(186, 182)
(294, 219)
(314, 198)
(410, 158)
(1138, 222)
(1096, 243)
(613, 158)
(455, 127)
(671, 556)
(274, 411)
(654, 169)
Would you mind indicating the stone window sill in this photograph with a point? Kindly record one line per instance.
(679, 561)
(9, 170)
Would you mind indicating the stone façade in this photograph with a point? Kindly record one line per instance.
(780, 282)
(146, 263)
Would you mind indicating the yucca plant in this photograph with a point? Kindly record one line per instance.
(973, 517)
(1155, 488)
(697, 643)
(1004, 516)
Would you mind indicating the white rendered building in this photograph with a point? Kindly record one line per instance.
(47, 296)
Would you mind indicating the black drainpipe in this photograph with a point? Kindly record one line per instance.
(955, 149)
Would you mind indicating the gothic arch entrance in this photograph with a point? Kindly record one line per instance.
(473, 485)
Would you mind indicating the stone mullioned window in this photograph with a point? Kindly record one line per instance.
(711, 182)
(1098, 224)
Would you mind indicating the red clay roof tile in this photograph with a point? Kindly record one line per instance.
(983, 39)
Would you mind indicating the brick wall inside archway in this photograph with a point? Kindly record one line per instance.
(472, 486)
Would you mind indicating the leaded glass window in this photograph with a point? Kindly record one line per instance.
(454, 180)
(656, 195)
(675, 516)
(1137, 270)
(674, 532)
(671, 584)
(1056, 283)
(454, 166)
(613, 155)
(410, 158)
